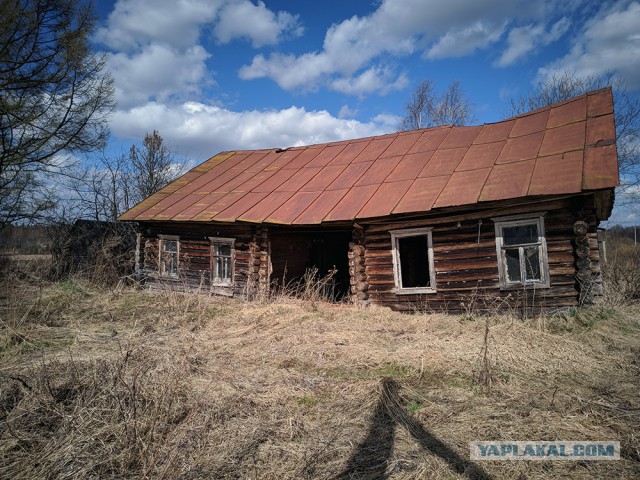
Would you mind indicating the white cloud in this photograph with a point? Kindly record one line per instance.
(397, 27)
(158, 72)
(460, 42)
(373, 80)
(255, 22)
(347, 112)
(135, 23)
(610, 43)
(155, 51)
(199, 130)
(523, 40)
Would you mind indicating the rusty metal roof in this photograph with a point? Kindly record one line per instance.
(566, 148)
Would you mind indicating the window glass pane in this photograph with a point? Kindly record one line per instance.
(170, 245)
(512, 257)
(223, 249)
(221, 263)
(520, 234)
(414, 261)
(532, 263)
(169, 258)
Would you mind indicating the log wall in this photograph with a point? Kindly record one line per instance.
(466, 262)
(464, 250)
(194, 262)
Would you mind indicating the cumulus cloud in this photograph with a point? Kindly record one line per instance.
(610, 42)
(135, 23)
(523, 40)
(373, 80)
(158, 72)
(397, 27)
(155, 51)
(200, 130)
(243, 19)
(460, 42)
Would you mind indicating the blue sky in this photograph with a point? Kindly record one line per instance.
(213, 75)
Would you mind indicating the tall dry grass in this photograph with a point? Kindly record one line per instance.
(124, 383)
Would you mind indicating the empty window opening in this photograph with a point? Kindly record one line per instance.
(413, 266)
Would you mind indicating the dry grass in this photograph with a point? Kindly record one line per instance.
(132, 384)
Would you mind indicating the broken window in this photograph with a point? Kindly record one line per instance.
(522, 251)
(413, 261)
(221, 261)
(168, 262)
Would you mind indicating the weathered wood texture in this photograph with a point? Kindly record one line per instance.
(194, 262)
(466, 262)
(465, 258)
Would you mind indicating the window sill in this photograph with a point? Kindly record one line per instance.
(414, 291)
(222, 289)
(164, 277)
(526, 286)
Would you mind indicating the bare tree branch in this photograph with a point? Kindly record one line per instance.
(426, 109)
(54, 97)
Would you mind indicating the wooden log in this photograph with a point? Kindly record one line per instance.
(580, 228)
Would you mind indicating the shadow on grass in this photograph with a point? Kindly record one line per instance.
(370, 460)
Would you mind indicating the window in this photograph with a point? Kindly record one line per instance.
(221, 261)
(169, 247)
(522, 251)
(413, 269)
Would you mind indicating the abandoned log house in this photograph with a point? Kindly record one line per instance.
(506, 212)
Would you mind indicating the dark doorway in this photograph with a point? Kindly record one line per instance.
(293, 253)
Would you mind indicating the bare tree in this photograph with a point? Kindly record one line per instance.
(54, 98)
(428, 109)
(565, 85)
(152, 165)
(111, 185)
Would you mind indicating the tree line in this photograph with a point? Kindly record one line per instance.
(56, 95)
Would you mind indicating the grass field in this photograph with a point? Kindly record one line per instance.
(125, 383)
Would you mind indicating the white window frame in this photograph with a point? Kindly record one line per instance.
(222, 241)
(161, 266)
(396, 235)
(515, 221)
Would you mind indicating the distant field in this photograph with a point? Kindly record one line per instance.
(123, 383)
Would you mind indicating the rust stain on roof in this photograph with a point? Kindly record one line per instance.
(565, 148)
